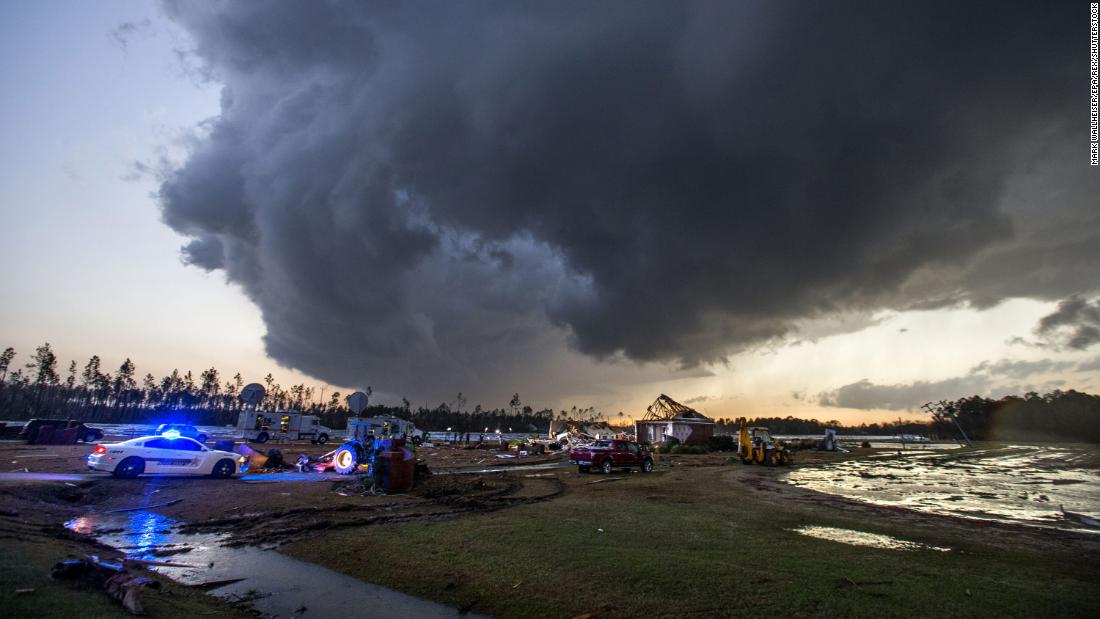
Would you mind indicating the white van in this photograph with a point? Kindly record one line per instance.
(360, 427)
(259, 427)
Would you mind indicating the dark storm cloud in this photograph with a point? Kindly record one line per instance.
(413, 191)
(985, 379)
(1075, 325)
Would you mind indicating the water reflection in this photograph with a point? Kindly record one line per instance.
(1017, 483)
(860, 538)
(284, 585)
(141, 533)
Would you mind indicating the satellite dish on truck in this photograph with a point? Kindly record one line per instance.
(357, 402)
(253, 393)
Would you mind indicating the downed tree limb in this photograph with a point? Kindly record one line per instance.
(157, 563)
(135, 509)
(215, 584)
(600, 481)
(1080, 518)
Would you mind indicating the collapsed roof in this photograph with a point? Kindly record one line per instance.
(665, 408)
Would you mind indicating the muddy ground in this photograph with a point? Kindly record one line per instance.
(266, 509)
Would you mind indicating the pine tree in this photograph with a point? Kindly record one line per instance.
(5, 362)
(70, 380)
(91, 372)
(149, 383)
(124, 382)
(209, 387)
(44, 366)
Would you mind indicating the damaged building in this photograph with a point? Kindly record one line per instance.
(668, 418)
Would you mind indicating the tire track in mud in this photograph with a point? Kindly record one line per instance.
(431, 502)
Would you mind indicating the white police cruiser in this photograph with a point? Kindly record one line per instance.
(167, 454)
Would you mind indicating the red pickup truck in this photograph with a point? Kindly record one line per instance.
(606, 455)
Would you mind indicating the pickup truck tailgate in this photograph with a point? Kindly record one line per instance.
(584, 455)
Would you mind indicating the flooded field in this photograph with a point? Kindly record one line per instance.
(1028, 484)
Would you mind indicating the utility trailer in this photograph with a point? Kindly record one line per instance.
(369, 428)
(259, 427)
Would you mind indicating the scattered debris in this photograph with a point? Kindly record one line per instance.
(167, 552)
(150, 562)
(1080, 518)
(603, 479)
(215, 584)
(858, 585)
(125, 587)
(135, 509)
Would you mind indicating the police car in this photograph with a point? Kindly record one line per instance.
(181, 430)
(167, 454)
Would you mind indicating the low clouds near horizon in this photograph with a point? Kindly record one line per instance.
(987, 379)
(442, 196)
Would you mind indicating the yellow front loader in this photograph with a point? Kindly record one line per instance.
(757, 445)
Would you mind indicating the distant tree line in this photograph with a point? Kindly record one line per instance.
(1056, 416)
(37, 389)
(795, 425)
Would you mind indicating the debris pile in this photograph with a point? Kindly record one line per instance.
(570, 433)
(120, 584)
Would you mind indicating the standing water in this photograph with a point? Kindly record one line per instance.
(273, 583)
(1025, 484)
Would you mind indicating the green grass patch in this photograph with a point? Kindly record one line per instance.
(25, 564)
(689, 543)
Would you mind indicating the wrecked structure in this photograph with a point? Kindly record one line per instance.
(666, 418)
(568, 431)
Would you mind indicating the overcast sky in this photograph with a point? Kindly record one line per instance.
(758, 208)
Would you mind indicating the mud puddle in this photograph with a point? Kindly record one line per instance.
(861, 538)
(272, 583)
(1024, 484)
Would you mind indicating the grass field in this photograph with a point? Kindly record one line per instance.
(693, 542)
(25, 564)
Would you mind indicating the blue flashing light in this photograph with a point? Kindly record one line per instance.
(171, 434)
